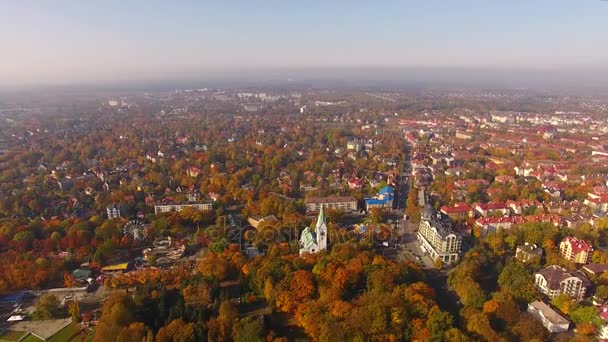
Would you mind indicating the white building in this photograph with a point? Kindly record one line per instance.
(550, 319)
(314, 241)
(113, 211)
(437, 238)
(344, 203)
(555, 280)
(168, 208)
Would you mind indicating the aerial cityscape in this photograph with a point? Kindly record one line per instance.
(275, 171)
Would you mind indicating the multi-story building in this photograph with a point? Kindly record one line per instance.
(573, 249)
(113, 211)
(555, 280)
(344, 203)
(550, 319)
(528, 253)
(437, 237)
(177, 207)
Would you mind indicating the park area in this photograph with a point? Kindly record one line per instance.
(71, 332)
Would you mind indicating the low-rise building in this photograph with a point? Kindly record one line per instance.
(602, 332)
(573, 249)
(495, 208)
(550, 319)
(437, 237)
(528, 253)
(177, 207)
(384, 199)
(459, 211)
(344, 203)
(256, 220)
(595, 269)
(555, 280)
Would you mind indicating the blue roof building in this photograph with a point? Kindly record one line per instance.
(383, 199)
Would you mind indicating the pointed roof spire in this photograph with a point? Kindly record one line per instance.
(320, 219)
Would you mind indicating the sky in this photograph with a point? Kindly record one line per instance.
(64, 41)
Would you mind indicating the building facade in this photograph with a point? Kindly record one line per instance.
(575, 250)
(113, 211)
(384, 199)
(437, 238)
(344, 203)
(168, 208)
(313, 241)
(550, 319)
(555, 280)
(528, 253)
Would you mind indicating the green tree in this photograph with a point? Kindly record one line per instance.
(47, 307)
(249, 329)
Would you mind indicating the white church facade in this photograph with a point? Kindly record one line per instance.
(313, 241)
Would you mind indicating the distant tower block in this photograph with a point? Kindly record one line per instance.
(113, 211)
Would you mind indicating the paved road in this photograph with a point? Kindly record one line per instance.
(411, 247)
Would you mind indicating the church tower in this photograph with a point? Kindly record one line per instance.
(321, 231)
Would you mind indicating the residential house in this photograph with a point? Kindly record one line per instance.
(595, 269)
(555, 280)
(528, 253)
(492, 209)
(460, 211)
(602, 333)
(573, 249)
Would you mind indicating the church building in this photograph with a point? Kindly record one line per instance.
(313, 241)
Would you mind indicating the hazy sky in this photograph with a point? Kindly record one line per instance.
(66, 41)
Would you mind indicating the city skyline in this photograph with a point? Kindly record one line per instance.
(70, 42)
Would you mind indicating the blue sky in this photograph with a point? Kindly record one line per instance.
(65, 41)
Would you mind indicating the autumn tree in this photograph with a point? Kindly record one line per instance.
(47, 307)
(176, 331)
(117, 313)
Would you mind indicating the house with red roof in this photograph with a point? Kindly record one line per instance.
(355, 183)
(459, 211)
(491, 225)
(519, 206)
(573, 249)
(492, 208)
(463, 183)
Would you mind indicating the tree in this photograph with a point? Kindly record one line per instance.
(515, 280)
(249, 329)
(527, 328)
(74, 310)
(438, 322)
(176, 331)
(116, 314)
(68, 280)
(564, 303)
(220, 328)
(47, 307)
(586, 314)
(197, 295)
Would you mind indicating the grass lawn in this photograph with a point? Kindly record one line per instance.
(31, 338)
(10, 335)
(64, 334)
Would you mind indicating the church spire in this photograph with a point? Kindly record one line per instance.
(320, 219)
